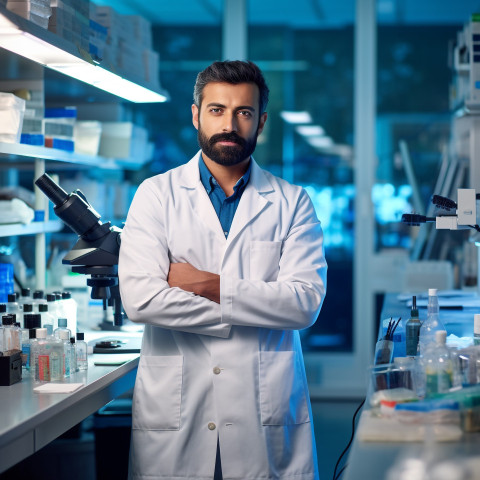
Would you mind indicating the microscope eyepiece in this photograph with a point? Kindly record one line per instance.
(54, 192)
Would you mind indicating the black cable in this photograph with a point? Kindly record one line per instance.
(335, 476)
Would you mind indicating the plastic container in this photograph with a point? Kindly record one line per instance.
(59, 126)
(432, 324)
(12, 110)
(438, 366)
(87, 137)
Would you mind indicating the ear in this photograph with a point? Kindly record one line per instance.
(195, 116)
(261, 123)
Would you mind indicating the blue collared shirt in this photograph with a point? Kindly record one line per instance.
(224, 206)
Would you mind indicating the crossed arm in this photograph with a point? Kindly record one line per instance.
(190, 279)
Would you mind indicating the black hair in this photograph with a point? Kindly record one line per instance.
(233, 72)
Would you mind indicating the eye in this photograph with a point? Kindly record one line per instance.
(215, 110)
(245, 113)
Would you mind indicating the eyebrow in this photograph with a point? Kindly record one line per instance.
(241, 107)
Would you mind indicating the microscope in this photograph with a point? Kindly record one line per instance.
(97, 249)
(458, 215)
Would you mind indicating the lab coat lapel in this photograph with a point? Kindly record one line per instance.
(254, 200)
(198, 197)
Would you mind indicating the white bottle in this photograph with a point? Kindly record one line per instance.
(432, 324)
(9, 332)
(57, 358)
(12, 305)
(70, 309)
(40, 351)
(81, 351)
(38, 298)
(48, 320)
(25, 297)
(52, 307)
(438, 366)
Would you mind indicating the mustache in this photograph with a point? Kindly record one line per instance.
(227, 137)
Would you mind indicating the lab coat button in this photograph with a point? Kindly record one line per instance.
(212, 426)
(216, 370)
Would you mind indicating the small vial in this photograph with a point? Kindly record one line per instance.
(62, 325)
(67, 350)
(25, 297)
(41, 356)
(81, 350)
(38, 298)
(476, 329)
(73, 360)
(8, 332)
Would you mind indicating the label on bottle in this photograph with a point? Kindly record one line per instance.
(26, 352)
(44, 368)
(56, 367)
(438, 381)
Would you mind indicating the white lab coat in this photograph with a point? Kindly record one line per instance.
(232, 370)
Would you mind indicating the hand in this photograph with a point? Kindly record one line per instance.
(190, 279)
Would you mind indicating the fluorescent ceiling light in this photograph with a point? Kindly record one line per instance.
(296, 117)
(310, 130)
(34, 48)
(320, 142)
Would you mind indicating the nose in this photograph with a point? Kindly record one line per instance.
(230, 123)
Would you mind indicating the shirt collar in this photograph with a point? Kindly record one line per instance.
(209, 182)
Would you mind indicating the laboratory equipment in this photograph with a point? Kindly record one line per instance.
(433, 323)
(96, 251)
(81, 352)
(412, 330)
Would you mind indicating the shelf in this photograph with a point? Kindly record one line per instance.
(33, 228)
(29, 40)
(34, 151)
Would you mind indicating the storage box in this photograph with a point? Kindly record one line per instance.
(10, 367)
(124, 140)
(87, 137)
(12, 110)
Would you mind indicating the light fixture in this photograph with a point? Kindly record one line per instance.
(310, 130)
(28, 45)
(296, 118)
(320, 141)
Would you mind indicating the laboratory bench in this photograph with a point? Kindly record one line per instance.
(386, 459)
(29, 420)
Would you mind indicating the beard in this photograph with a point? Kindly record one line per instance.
(227, 155)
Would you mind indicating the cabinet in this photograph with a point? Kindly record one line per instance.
(28, 51)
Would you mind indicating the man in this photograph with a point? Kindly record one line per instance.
(224, 263)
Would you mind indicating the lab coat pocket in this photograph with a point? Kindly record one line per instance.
(157, 396)
(264, 260)
(283, 389)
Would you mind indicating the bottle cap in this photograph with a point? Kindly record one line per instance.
(7, 320)
(25, 292)
(17, 324)
(58, 295)
(66, 295)
(476, 323)
(3, 308)
(441, 337)
(32, 333)
(432, 292)
(72, 339)
(41, 333)
(38, 294)
(28, 319)
(51, 297)
(80, 336)
(64, 335)
(12, 297)
(43, 307)
(62, 322)
(27, 307)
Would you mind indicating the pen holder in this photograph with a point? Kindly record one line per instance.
(383, 352)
